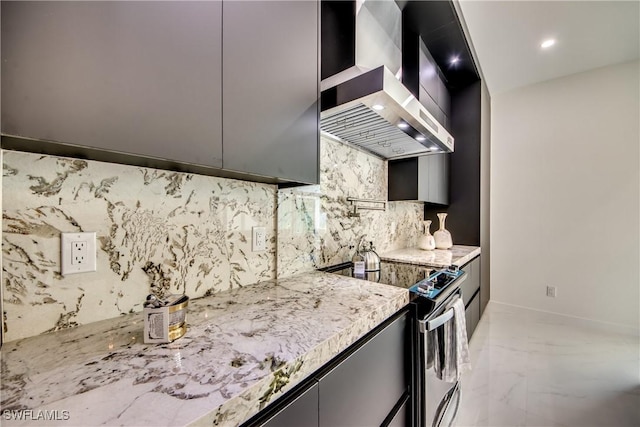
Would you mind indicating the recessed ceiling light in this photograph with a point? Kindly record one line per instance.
(454, 60)
(377, 107)
(420, 138)
(547, 43)
(403, 125)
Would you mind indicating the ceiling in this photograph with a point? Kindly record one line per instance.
(507, 35)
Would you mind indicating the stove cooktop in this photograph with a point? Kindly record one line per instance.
(423, 281)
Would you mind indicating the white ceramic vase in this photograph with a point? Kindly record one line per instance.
(427, 242)
(442, 236)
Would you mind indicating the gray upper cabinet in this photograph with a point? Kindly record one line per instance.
(134, 77)
(221, 88)
(270, 88)
(437, 167)
(424, 179)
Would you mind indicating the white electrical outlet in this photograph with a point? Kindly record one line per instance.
(259, 240)
(78, 253)
(551, 291)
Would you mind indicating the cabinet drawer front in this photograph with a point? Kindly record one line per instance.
(301, 412)
(365, 387)
(472, 315)
(472, 283)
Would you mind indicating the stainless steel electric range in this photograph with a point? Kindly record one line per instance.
(435, 402)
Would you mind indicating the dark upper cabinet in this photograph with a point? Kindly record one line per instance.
(133, 77)
(270, 88)
(433, 93)
(222, 88)
(424, 179)
(423, 76)
(338, 36)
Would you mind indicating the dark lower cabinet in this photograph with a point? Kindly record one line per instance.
(402, 417)
(364, 389)
(367, 385)
(301, 412)
(472, 314)
(471, 294)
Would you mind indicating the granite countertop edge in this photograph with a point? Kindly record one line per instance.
(458, 255)
(242, 407)
(244, 349)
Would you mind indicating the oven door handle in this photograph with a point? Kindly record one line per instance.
(444, 406)
(429, 325)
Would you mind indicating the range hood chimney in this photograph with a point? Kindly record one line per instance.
(365, 103)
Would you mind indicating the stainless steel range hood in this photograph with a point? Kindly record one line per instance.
(367, 105)
(374, 111)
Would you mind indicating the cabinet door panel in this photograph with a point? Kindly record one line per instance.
(302, 412)
(429, 78)
(363, 390)
(134, 77)
(430, 104)
(438, 178)
(444, 179)
(402, 417)
(270, 91)
(435, 173)
(472, 315)
(472, 283)
(423, 178)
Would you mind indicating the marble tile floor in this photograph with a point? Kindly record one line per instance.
(539, 369)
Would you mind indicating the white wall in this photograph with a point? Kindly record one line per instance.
(565, 195)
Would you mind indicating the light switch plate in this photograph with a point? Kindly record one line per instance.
(78, 253)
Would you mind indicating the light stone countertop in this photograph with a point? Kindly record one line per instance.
(243, 349)
(457, 255)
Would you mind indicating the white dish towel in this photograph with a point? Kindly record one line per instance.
(456, 349)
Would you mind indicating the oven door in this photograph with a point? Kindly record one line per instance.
(440, 399)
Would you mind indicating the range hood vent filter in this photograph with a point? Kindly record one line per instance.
(365, 128)
(369, 110)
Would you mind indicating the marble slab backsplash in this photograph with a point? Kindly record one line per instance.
(159, 231)
(314, 229)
